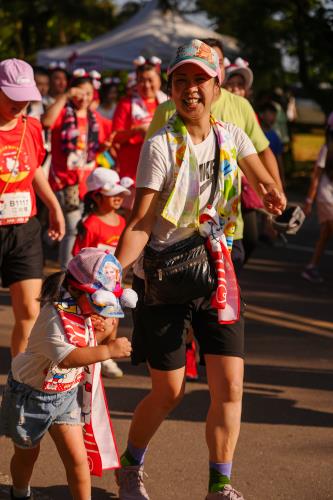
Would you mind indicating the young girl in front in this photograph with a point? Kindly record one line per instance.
(42, 392)
(101, 226)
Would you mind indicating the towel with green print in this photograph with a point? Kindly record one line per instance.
(183, 206)
(185, 270)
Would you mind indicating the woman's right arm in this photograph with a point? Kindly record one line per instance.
(51, 114)
(138, 229)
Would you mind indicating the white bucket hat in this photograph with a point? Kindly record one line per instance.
(108, 182)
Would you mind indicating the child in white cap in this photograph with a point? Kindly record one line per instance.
(42, 390)
(101, 226)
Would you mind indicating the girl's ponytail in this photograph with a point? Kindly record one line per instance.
(90, 207)
(51, 288)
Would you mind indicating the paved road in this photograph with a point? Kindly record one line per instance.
(286, 444)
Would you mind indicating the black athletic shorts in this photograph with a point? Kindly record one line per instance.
(21, 254)
(159, 335)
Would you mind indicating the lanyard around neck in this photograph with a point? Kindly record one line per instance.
(24, 119)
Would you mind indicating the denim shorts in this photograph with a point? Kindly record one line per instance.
(26, 413)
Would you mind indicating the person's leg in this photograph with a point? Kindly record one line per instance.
(21, 468)
(225, 380)
(67, 243)
(70, 445)
(24, 295)
(166, 392)
(326, 230)
(159, 338)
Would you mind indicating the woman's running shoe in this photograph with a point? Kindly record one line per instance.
(227, 493)
(130, 482)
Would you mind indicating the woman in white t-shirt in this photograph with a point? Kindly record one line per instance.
(321, 189)
(175, 199)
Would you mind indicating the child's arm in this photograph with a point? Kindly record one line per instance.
(44, 192)
(83, 356)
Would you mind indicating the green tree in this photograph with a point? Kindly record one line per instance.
(26, 27)
(269, 29)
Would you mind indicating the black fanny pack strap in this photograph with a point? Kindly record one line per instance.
(216, 171)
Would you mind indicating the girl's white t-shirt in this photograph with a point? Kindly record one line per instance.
(325, 187)
(47, 346)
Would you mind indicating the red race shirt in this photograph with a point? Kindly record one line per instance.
(99, 234)
(17, 198)
(129, 152)
(60, 175)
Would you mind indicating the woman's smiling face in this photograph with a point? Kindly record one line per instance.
(193, 92)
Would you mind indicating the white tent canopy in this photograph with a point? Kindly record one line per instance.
(149, 32)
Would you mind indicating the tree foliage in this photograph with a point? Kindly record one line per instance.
(269, 29)
(28, 26)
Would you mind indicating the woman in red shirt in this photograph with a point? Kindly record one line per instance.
(133, 116)
(78, 134)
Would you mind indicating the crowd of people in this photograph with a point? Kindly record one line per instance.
(144, 182)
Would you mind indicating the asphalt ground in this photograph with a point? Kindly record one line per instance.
(285, 449)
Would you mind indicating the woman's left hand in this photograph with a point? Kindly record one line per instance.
(273, 199)
(57, 225)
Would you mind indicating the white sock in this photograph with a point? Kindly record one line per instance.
(21, 493)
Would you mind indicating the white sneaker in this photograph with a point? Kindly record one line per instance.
(110, 369)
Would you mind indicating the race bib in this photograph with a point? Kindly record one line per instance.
(15, 208)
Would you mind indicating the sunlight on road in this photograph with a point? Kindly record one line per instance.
(291, 321)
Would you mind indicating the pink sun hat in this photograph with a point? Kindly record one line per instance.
(199, 53)
(17, 81)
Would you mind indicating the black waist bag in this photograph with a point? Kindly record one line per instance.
(180, 273)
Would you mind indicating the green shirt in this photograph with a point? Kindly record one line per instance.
(227, 108)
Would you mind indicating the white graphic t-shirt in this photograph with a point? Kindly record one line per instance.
(47, 347)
